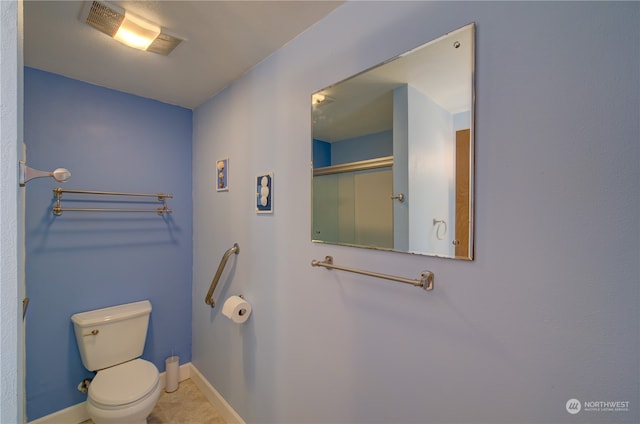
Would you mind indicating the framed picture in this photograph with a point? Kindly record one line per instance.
(264, 193)
(222, 174)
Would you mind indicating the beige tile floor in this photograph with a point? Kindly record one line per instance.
(187, 405)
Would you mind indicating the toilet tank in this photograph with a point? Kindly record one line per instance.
(111, 336)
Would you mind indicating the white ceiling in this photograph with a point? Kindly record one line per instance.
(224, 39)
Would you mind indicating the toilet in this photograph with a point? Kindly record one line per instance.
(125, 388)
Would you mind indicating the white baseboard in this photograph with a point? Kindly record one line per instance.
(215, 398)
(78, 413)
(72, 415)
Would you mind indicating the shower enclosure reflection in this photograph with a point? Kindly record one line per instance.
(393, 153)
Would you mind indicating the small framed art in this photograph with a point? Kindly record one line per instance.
(264, 193)
(222, 174)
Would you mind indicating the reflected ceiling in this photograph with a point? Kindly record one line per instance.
(366, 100)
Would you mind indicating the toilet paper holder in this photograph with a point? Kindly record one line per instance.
(237, 309)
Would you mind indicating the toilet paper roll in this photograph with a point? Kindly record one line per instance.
(236, 309)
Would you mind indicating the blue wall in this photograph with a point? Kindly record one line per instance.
(79, 261)
(321, 154)
(370, 146)
(548, 311)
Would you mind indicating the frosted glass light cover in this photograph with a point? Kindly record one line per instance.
(136, 32)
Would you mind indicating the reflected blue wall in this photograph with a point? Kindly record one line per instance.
(321, 153)
(370, 146)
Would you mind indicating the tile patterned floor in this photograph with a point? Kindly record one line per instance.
(187, 405)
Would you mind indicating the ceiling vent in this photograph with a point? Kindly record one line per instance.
(128, 28)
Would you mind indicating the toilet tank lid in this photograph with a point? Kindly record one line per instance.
(112, 313)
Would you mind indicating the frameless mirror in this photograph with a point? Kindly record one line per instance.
(393, 153)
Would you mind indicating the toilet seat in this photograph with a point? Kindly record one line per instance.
(123, 384)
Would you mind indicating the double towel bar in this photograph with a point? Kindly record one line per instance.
(209, 298)
(161, 197)
(425, 281)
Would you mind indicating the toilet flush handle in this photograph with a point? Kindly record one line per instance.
(92, 333)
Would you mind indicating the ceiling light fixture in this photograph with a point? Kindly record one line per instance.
(128, 28)
(318, 99)
(137, 32)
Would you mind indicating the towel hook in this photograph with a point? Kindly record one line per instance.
(440, 223)
(59, 174)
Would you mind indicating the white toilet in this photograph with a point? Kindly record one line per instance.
(125, 389)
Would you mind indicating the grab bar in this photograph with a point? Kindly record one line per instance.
(209, 299)
(425, 281)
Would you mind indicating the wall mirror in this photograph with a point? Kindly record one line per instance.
(393, 153)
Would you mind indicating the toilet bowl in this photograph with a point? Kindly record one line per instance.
(125, 393)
